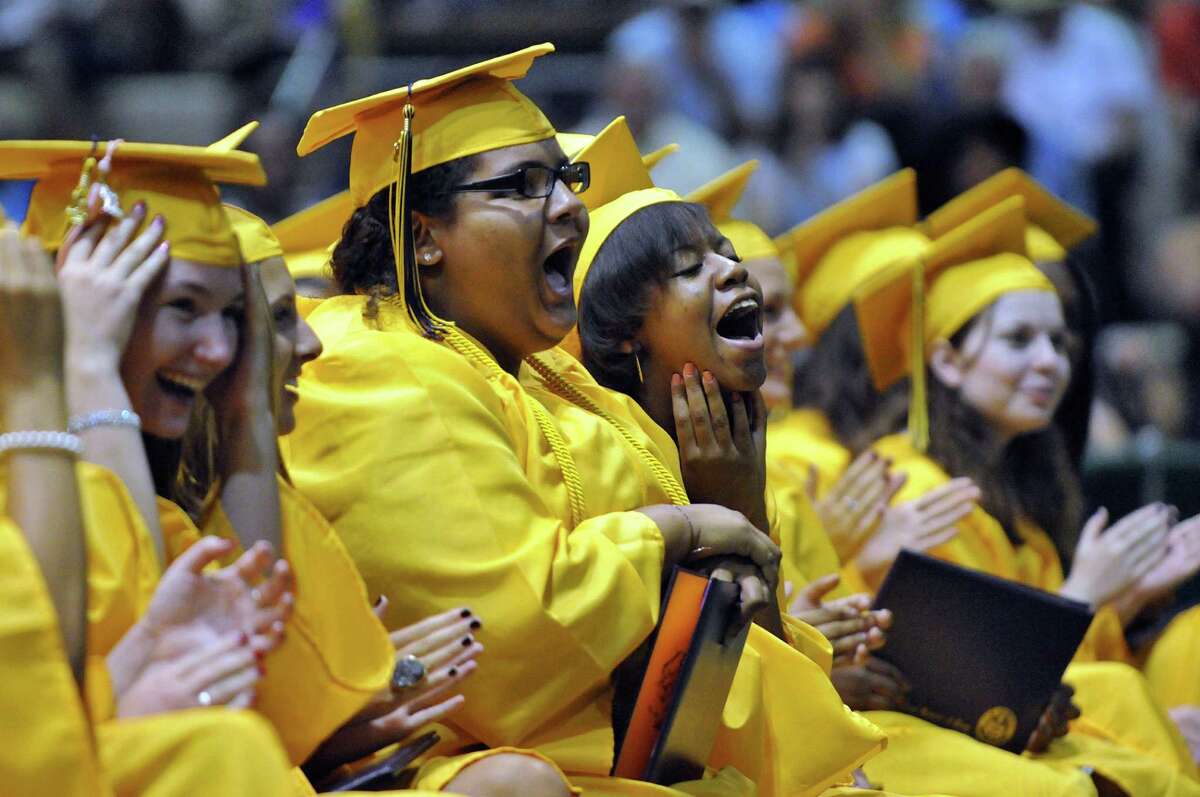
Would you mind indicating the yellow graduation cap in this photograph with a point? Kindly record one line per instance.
(1053, 227)
(572, 143)
(424, 124)
(839, 249)
(620, 187)
(930, 296)
(720, 196)
(254, 235)
(175, 181)
(234, 140)
(308, 237)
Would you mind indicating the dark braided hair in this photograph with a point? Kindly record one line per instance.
(362, 260)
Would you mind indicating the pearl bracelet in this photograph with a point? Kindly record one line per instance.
(90, 420)
(41, 441)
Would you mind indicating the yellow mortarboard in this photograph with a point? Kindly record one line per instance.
(308, 237)
(234, 140)
(254, 235)
(1052, 228)
(928, 297)
(175, 181)
(720, 195)
(620, 187)
(424, 124)
(839, 249)
(573, 143)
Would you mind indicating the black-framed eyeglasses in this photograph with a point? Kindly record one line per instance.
(534, 182)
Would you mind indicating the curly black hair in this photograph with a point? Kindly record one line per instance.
(362, 260)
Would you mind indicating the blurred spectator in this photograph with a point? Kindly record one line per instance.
(966, 149)
(827, 149)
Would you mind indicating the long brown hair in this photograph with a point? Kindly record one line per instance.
(1032, 477)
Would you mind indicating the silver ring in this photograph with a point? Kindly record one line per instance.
(851, 503)
(204, 698)
(409, 672)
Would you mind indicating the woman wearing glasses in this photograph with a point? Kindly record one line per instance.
(449, 484)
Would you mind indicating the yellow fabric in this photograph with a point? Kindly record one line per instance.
(1168, 665)
(336, 654)
(45, 737)
(572, 143)
(835, 251)
(255, 238)
(175, 181)
(1053, 227)
(436, 773)
(308, 237)
(1119, 712)
(722, 193)
(461, 113)
(199, 751)
(802, 438)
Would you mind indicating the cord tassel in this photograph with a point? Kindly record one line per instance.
(918, 407)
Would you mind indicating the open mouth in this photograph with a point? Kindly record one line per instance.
(181, 387)
(557, 268)
(742, 321)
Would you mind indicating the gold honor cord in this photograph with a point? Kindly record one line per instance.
(566, 390)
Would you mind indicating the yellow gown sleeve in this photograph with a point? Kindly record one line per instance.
(46, 743)
(336, 654)
(802, 439)
(123, 567)
(445, 498)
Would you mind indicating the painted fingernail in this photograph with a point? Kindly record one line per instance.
(260, 654)
(466, 642)
(453, 672)
(465, 613)
(159, 222)
(139, 207)
(475, 624)
(736, 398)
(262, 670)
(689, 370)
(243, 639)
(676, 380)
(708, 377)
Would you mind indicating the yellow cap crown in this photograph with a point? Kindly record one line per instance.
(255, 239)
(178, 182)
(461, 113)
(308, 237)
(720, 196)
(839, 249)
(1052, 228)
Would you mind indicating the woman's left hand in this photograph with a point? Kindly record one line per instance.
(723, 458)
(446, 648)
(1181, 562)
(1055, 720)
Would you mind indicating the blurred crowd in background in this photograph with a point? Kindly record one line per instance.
(1100, 101)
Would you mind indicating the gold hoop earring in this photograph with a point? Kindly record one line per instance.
(637, 362)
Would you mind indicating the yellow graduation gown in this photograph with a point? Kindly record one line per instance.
(444, 478)
(802, 438)
(46, 744)
(336, 654)
(778, 697)
(1115, 697)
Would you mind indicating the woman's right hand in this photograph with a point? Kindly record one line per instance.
(221, 672)
(104, 270)
(850, 625)
(1109, 562)
(919, 525)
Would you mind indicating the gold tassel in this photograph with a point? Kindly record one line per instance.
(408, 280)
(918, 408)
(77, 211)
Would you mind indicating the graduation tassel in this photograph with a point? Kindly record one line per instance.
(408, 279)
(918, 407)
